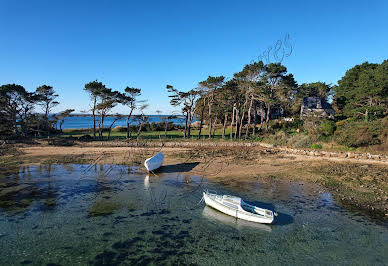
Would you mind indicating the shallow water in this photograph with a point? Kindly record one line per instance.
(109, 214)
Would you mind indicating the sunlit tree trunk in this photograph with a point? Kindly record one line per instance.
(254, 118)
(249, 118)
(94, 116)
(268, 116)
(185, 134)
(201, 123)
(214, 127)
(210, 120)
(231, 124)
(237, 122)
(189, 123)
(223, 129)
(128, 118)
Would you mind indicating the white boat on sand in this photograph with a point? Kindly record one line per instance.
(236, 207)
(154, 162)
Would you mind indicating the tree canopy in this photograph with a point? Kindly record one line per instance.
(363, 91)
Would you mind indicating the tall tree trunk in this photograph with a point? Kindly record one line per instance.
(129, 117)
(189, 124)
(139, 130)
(94, 117)
(101, 126)
(268, 116)
(214, 127)
(254, 118)
(231, 124)
(237, 122)
(47, 119)
(249, 118)
(223, 129)
(185, 134)
(201, 123)
(210, 120)
(110, 127)
(241, 124)
(242, 118)
(262, 114)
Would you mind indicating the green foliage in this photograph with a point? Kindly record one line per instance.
(327, 128)
(316, 146)
(315, 89)
(361, 133)
(311, 125)
(16, 111)
(363, 91)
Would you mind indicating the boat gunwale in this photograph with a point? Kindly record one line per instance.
(240, 210)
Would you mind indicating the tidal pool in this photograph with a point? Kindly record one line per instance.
(110, 214)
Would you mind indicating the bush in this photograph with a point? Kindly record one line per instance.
(316, 146)
(358, 134)
(311, 125)
(119, 129)
(279, 138)
(300, 141)
(327, 128)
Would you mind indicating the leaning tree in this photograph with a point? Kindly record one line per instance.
(95, 89)
(210, 85)
(47, 99)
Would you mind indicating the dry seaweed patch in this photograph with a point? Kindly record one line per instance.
(10, 159)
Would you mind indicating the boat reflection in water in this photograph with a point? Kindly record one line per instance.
(214, 215)
(147, 182)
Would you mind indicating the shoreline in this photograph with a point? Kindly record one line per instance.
(357, 181)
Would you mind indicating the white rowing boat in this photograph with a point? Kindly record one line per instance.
(154, 162)
(236, 207)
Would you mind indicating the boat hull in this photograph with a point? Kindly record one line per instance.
(154, 162)
(217, 204)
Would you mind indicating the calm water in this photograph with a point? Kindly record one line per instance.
(87, 121)
(107, 214)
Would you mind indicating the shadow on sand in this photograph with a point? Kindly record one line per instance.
(180, 167)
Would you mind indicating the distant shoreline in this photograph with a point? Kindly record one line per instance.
(121, 115)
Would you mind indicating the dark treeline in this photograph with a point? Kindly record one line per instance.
(17, 111)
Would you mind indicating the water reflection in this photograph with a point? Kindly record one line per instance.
(20, 191)
(214, 215)
(147, 182)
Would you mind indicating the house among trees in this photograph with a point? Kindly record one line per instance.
(316, 106)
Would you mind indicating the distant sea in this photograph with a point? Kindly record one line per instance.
(87, 121)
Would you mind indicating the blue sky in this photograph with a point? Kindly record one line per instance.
(149, 44)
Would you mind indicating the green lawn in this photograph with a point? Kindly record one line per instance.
(174, 134)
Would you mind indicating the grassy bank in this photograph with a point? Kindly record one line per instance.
(289, 138)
